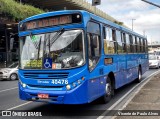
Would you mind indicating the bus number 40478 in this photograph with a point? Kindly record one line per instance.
(58, 81)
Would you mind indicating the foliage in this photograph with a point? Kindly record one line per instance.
(18, 11)
(119, 23)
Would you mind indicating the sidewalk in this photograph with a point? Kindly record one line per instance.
(145, 102)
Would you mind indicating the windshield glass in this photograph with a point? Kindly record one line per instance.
(57, 50)
(14, 65)
(152, 57)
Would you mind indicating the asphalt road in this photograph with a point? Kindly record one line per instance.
(9, 100)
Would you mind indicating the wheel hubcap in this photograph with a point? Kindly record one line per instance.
(108, 89)
(140, 76)
(13, 77)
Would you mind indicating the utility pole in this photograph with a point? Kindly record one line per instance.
(151, 3)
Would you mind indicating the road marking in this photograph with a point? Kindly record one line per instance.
(122, 98)
(8, 89)
(20, 105)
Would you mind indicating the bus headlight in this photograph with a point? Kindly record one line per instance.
(23, 84)
(68, 87)
(75, 84)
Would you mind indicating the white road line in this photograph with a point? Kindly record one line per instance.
(8, 89)
(20, 105)
(122, 98)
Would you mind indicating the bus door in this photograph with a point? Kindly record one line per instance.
(94, 60)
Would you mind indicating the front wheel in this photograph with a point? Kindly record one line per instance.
(13, 77)
(109, 91)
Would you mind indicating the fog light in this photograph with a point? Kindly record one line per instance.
(68, 87)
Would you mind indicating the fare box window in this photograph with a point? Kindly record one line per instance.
(108, 61)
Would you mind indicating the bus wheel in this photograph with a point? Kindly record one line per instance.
(109, 91)
(138, 80)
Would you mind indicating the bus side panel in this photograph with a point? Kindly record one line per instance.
(96, 84)
(132, 72)
(145, 63)
(120, 77)
(93, 89)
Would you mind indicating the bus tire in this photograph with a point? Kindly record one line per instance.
(109, 91)
(138, 80)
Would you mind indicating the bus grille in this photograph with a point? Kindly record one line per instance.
(45, 75)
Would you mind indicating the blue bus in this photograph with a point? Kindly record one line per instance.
(76, 57)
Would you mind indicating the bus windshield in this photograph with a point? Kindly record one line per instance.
(65, 49)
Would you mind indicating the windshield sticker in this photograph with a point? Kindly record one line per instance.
(34, 38)
(32, 63)
(56, 66)
(47, 63)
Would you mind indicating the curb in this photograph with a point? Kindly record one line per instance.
(138, 90)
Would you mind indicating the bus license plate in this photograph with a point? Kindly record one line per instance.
(43, 96)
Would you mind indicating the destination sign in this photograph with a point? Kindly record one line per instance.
(51, 21)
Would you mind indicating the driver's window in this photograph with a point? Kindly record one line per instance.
(93, 36)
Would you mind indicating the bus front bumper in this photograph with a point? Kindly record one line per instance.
(74, 96)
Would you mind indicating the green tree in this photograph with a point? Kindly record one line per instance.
(18, 11)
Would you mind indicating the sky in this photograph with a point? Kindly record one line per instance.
(147, 17)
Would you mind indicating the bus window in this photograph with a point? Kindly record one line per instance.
(134, 44)
(146, 46)
(131, 44)
(93, 44)
(93, 50)
(93, 28)
(109, 42)
(119, 42)
(113, 35)
(138, 45)
(124, 42)
(141, 44)
(128, 43)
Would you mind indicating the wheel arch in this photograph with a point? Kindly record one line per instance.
(112, 77)
(140, 68)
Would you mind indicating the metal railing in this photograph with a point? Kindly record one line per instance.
(7, 59)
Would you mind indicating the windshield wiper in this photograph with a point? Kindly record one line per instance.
(56, 36)
(39, 46)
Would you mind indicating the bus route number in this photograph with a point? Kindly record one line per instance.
(58, 81)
